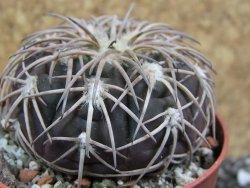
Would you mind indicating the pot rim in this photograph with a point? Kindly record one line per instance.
(2, 185)
(220, 158)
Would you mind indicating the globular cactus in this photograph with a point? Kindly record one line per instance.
(108, 97)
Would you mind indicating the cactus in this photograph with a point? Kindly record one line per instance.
(108, 97)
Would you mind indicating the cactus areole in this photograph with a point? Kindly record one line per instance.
(108, 97)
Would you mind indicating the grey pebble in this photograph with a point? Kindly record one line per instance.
(109, 183)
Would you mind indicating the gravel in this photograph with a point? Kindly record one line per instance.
(234, 173)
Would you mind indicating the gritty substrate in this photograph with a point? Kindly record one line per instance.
(20, 170)
(234, 173)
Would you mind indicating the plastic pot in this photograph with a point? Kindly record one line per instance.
(209, 178)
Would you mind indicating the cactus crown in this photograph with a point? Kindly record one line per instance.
(108, 97)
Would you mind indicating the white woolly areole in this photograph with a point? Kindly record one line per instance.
(82, 138)
(30, 85)
(153, 71)
(100, 35)
(172, 116)
(120, 44)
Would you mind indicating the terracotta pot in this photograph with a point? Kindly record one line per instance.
(209, 178)
(3, 185)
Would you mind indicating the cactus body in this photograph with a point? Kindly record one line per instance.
(108, 97)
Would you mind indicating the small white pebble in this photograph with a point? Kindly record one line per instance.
(19, 164)
(200, 171)
(34, 165)
(182, 178)
(193, 167)
(189, 173)
(194, 170)
(58, 184)
(46, 186)
(35, 186)
(3, 143)
(136, 186)
(59, 178)
(11, 149)
(69, 186)
(120, 182)
(20, 154)
(160, 182)
(48, 172)
(9, 160)
(243, 177)
(206, 151)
